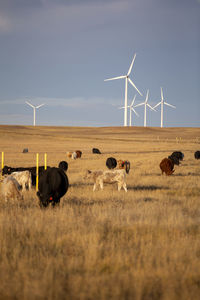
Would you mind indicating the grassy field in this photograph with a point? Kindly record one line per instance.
(143, 244)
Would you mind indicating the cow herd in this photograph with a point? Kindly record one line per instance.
(53, 182)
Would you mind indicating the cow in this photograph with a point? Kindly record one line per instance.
(124, 164)
(69, 154)
(175, 160)
(178, 154)
(79, 153)
(8, 170)
(167, 166)
(96, 151)
(197, 155)
(53, 184)
(23, 178)
(10, 189)
(111, 163)
(111, 176)
(25, 150)
(74, 155)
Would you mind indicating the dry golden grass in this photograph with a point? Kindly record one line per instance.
(144, 244)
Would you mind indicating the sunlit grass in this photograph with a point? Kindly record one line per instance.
(144, 244)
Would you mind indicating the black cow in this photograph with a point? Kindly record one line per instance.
(111, 163)
(32, 170)
(96, 151)
(53, 184)
(178, 154)
(174, 159)
(197, 154)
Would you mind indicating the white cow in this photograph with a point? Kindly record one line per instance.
(110, 176)
(23, 178)
(74, 155)
(10, 189)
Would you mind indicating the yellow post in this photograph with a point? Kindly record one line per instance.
(45, 161)
(37, 168)
(2, 162)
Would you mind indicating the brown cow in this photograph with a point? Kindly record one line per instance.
(167, 166)
(79, 153)
(69, 154)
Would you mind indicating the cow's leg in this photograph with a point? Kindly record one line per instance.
(119, 186)
(124, 186)
(101, 184)
(94, 187)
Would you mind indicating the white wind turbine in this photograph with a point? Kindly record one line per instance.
(162, 102)
(145, 108)
(34, 108)
(126, 87)
(131, 107)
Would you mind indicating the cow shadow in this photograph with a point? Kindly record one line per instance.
(83, 202)
(185, 175)
(147, 188)
(78, 184)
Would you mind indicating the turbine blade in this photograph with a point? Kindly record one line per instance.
(135, 112)
(157, 104)
(152, 108)
(30, 104)
(133, 101)
(143, 103)
(130, 68)
(134, 86)
(121, 107)
(169, 105)
(147, 96)
(161, 90)
(114, 78)
(39, 105)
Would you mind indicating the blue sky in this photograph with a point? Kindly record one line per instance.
(60, 52)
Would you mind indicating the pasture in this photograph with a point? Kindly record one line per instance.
(143, 244)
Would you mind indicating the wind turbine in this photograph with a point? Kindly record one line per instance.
(145, 108)
(131, 109)
(126, 87)
(162, 102)
(34, 108)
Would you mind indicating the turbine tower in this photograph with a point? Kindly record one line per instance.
(126, 87)
(131, 107)
(145, 108)
(34, 108)
(162, 102)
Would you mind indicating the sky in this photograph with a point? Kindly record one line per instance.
(58, 52)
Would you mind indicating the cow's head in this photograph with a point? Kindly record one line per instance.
(6, 170)
(87, 174)
(127, 166)
(44, 199)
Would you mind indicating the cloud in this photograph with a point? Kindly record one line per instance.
(5, 24)
(75, 102)
(47, 16)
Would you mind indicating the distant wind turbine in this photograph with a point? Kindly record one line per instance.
(34, 108)
(162, 102)
(145, 108)
(131, 107)
(126, 87)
